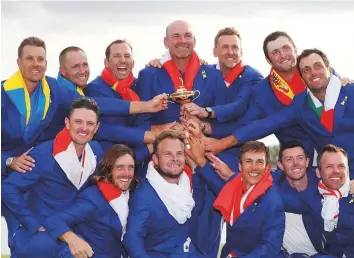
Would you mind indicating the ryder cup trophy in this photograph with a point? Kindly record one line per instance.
(183, 96)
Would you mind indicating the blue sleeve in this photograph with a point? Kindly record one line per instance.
(136, 227)
(12, 191)
(273, 234)
(222, 130)
(82, 210)
(143, 89)
(120, 134)
(141, 154)
(264, 127)
(235, 109)
(108, 106)
(210, 177)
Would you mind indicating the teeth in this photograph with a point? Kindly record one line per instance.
(284, 61)
(316, 79)
(296, 170)
(253, 174)
(82, 134)
(335, 178)
(124, 179)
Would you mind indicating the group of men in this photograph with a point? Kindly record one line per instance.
(114, 168)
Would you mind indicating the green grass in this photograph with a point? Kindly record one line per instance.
(5, 256)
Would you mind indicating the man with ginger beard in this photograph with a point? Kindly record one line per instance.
(74, 74)
(161, 207)
(249, 203)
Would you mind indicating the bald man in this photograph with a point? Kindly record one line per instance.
(181, 64)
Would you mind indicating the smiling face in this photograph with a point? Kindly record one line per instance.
(281, 54)
(228, 51)
(315, 72)
(253, 165)
(123, 172)
(170, 158)
(333, 170)
(82, 125)
(294, 163)
(32, 63)
(120, 60)
(75, 68)
(179, 40)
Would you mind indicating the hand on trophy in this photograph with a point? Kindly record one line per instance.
(158, 103)
(194, 110)
(194, 128)
(196, 151)
(212, 145)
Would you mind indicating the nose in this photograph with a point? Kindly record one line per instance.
(81, 69)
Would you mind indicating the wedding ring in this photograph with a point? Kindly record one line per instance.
(188, 146)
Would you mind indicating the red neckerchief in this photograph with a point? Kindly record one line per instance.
(190, 74)
(61, 141)
(109, 191)
(234, 73)
(120, 86)
(286, 91)
(230, 196)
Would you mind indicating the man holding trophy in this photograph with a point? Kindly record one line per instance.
(185, 79)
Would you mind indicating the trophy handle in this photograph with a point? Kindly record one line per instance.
(198, 94)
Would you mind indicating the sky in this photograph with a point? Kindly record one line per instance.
(93, 25)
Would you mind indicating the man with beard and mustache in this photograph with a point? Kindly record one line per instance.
(160, 208)
(96, 220)
(324, 111)
(63, 167)
(74, 74)
(333, 203)
(251, 207)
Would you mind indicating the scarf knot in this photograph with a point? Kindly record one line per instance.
(233, 74)
(232, 203)
(177, 198)
(330, 203)
(122, 87)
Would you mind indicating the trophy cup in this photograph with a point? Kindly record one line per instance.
(183, 96)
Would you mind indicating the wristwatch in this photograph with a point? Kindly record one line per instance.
(210, 112)
(9, 161)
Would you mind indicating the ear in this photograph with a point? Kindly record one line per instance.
(133, 64)
(280, 165)
(195, 41)
(62, 71)
(98, 125)
(318, 174)
(165, 39)
(239, 166)
(155, 160)
(269, 62)
(46, 64)
(67, 123)
(307, 162)
(215, 52)
(18, 61)
(106, 62)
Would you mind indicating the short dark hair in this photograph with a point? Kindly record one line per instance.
(106, 165)
(30, 41)
(290, 145)
(228, 31)
(255, 146)
(273, 36)
(332, 149)
(308, 52)
(167, 135)
(66, 50)
(84, 102)
(118, 41)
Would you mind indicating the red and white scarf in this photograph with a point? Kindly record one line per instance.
(65, 154)
(122, 87)
(326, 112)
(117, 200)
(192, 69)
(330, 203)
(233, 74)
(177, 198)
(231, 201)
(286, 91)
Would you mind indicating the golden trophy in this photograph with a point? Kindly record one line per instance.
(183, 96)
